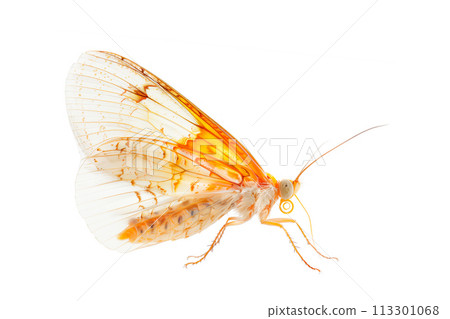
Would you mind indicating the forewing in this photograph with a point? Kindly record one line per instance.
(109, 96)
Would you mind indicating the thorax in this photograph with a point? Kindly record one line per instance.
(256, 199)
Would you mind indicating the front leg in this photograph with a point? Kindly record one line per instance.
(277, 222)
(289, 220)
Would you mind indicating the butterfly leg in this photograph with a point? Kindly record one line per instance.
(277, 222)
(288, 220)
(232, 221)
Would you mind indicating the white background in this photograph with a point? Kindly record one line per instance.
(380, 203)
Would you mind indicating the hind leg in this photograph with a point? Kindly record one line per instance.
(232, 221)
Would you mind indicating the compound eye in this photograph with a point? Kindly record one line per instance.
(286, 189)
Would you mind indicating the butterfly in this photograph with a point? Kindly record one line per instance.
(155, 167)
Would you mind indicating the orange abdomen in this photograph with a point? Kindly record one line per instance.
(182, 221)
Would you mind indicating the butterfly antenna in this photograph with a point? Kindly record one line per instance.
(347, 140)
(313, 155)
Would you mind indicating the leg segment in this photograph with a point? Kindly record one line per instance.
(277, 222)
(232, 221)
(288, 220)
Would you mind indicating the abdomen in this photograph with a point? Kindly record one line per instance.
(184, 220)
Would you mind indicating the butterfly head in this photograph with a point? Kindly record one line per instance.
(288, 188)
